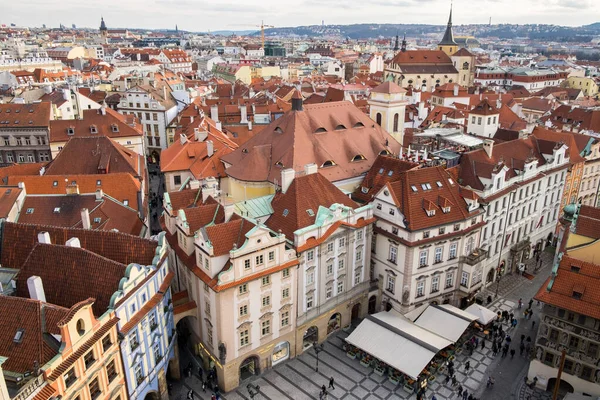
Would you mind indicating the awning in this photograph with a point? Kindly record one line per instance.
(395, 347)
(484, 315)
(448, 321)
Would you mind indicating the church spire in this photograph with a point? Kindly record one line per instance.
(396, 43)
(403, 48)
(448, 39)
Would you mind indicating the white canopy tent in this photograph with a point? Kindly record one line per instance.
(448, 322)
(484, 315)
(390, 338)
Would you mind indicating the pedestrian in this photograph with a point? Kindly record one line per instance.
(512, 316)
(527, 348)
(520, 303)
(204, 386)
(451, 371)
(447, 379)
(454, 381)
(528, 340)
(514, 322)
(532, 325)
(323, 389)
(190, 395)
(465, 395)
(525, 313)
(512, 353)
(460, 390)
(470, 397)
(467, 366)
(494, 349)
(522, 338)
(200, 373)
(433, 397)
(530, 302)
(482, 343)
(530, 314)
(489, 299)
(504, 352)
(331, 381)
(521, 348)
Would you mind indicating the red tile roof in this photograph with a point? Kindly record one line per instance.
(70, 275)
(35, 319)
(564, 137)
(225, 236)
(588, 222)
(8, 197)
(111, 124)
(35, 115)
(586, 282)
(385, 169)
(388, 87)
(292, 209)
(336, 132)
(485, 108)
(437, 193)
(19, 239)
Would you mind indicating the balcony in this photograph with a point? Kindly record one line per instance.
(475, 257)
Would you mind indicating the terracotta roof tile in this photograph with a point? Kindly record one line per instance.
(71, 275)
(385, 169)
(224, 236)
(298, 206)
(35, 115)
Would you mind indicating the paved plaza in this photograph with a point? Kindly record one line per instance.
(296, 378)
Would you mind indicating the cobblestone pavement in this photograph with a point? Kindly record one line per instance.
(296, 378)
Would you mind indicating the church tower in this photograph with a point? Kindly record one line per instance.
(448, 45)
(387, 106)
(103, 29)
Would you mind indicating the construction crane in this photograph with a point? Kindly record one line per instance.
(262, 27)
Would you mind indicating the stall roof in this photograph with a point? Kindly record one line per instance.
(405, 325)
(449, 322)
(484, 315)
(391, 345)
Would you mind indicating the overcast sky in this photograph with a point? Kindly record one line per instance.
(203, 15)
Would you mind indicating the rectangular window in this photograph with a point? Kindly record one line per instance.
(285, 273)
(285, 293)
(393, 254)
(177, 179)
(340, 264)
(329, 269)
(309, 302)
(285, 318)
(342, 242)
(243, 310)
(111, 371)
(271, 255)
(70, 377)
(420, 288)
(438, 254)
(156, 351)
(340, 287)
(423, 258)
(244, 338)
(310, 278)
(94, 389)
(247, 264)
(243, 288)
(328, 292)
(106, 343)
(266, 280)
(464, 279)
(435, 284)
(452, 254)
(449, 280)
(359, 235)
(357, 275)
(392, 211)
(259, 260)
(265, 327)
(209, 335)
(358, 255)
(310, 255)
(207, 307)
(391, 284)
(425, 234)
(266, 301)
(330, 246)
(133, 341)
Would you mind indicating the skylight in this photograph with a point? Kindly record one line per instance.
(310, 212)
(451, 181)
(286, 212)
(381, 170)
(30, 211)
(19, 336)
(423, 186)
(56, 209)
(414, 188)
(439, 183)
(390, 173)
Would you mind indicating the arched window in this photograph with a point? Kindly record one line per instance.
(358, 157)
(328, 163)
(384, 153)
(465, 66)
(396, 122)
(378, 119)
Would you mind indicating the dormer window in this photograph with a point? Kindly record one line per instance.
(93, 129)
(446, 210)
(358, 125)
(328, 163)
(278, 130)
(56, 210)
(114, 128)
(70, 130)
(358, 157)
(279, 164)
(384, 153)
(577, 293)
(430, 213)
(321, 130)
(340, 127)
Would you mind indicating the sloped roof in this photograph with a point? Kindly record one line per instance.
(388, 87)
(19, 239)
(588, 222)
(385, 169)
(302, 201)
(225, 236)
(35, 319)
(437, 193)
(422, 57)
(35, 115)
(335, 132)
(565, 137)
(485, 108)
(71, 275)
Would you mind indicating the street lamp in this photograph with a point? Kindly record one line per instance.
(253, 390)
(318, 348)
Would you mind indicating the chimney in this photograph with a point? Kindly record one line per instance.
(195, 184)
(214, 112)
(103, 110)
(228, 210)
(210, 188)
(210, 148)
(36, 288)
(219, 126)
(72, 188)
(73, 242)
(297, 101)
(244, 112)
(488, 146)
(66, 94)
(44, 237)
(287, 176)
(165, 92)
(455, 90)
(250, 126)
(85, 219)
(99, 194)
(183, 138)
(310, 169)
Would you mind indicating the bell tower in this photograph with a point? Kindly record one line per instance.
(448, 45)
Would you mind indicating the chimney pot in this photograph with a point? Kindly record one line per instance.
(85, 219)
(36, 288)
(210, 149)
(73, 242)
(44, 237)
